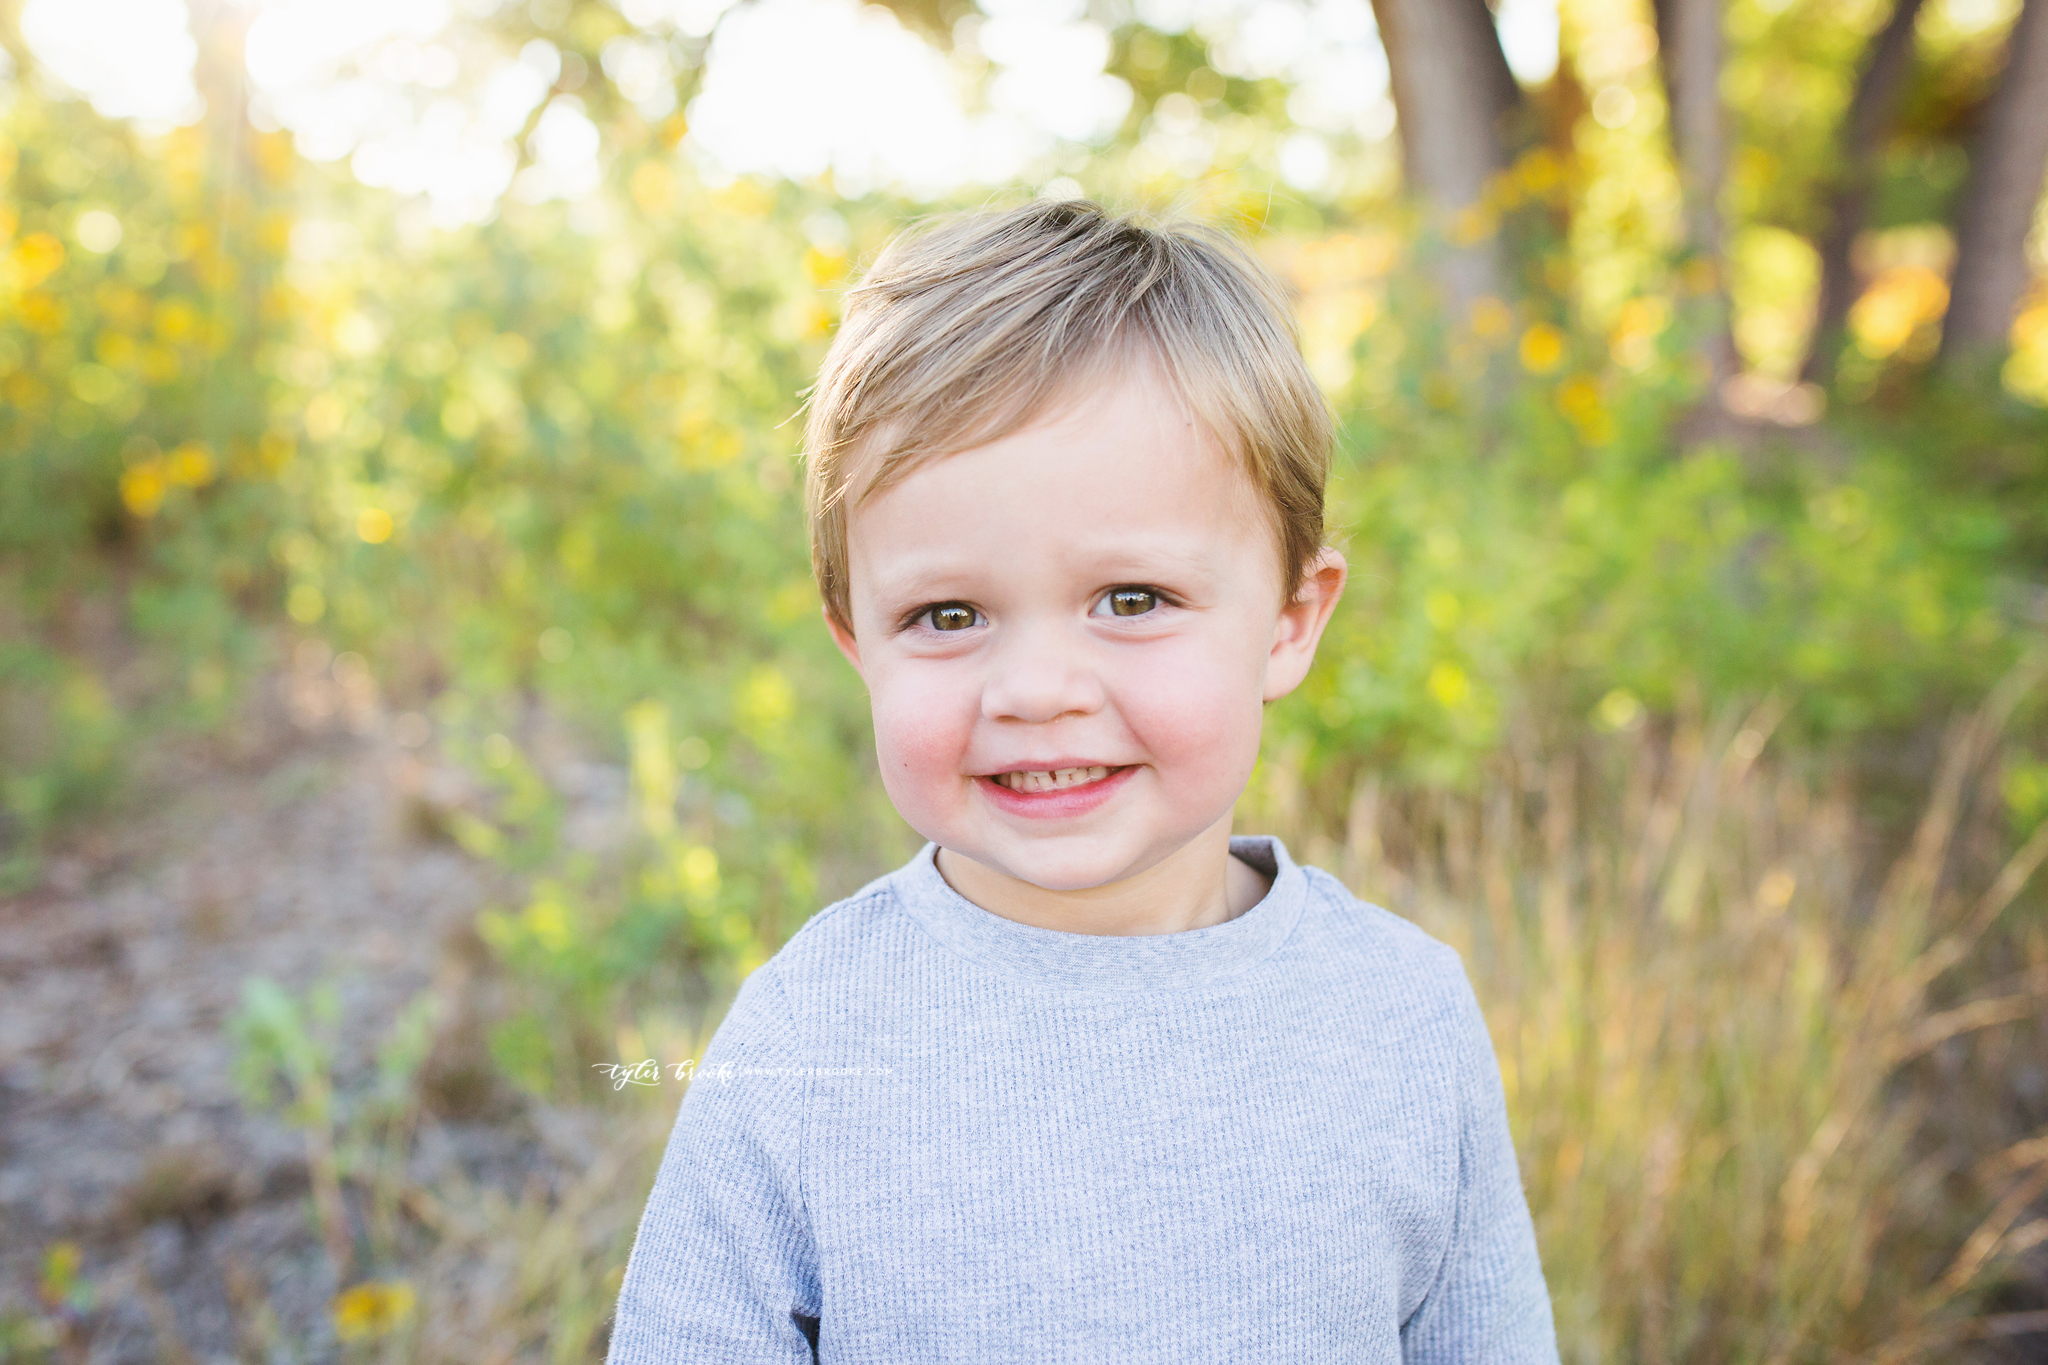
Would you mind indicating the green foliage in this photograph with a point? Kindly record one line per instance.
(1543, 560)
(594, 938)
(284, 1050)
(58, 738)
(68, 1296)
(27, 1338)
(285, 1062)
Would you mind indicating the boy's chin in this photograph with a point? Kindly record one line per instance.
(1064, 865)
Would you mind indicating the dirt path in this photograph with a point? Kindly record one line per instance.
(288, 850)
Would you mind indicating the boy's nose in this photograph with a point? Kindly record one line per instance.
(1035, 681)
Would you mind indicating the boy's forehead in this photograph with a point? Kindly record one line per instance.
(1079, 469)
(1134, 383)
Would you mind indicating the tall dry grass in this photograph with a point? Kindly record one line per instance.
(533, 1276)
(1713, 992)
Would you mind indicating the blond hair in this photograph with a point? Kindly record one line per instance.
(969, 331)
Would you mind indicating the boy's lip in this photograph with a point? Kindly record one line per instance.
(1061, 802)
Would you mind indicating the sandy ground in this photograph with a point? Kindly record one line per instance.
(292, 849)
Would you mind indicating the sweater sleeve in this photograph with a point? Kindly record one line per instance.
(723, 1266)
(1489, 1305)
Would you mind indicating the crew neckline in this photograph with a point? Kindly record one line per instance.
(1116, 962)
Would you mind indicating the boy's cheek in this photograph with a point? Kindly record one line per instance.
(921, 730)
(1192, 704)
(921, 775)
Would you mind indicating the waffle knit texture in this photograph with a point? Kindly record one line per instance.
(927, 1133)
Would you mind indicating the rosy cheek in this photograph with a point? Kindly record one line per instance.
(923, 723)
(1193, 712)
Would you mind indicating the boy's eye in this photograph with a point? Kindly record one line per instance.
(950, 616)
(1132, 601)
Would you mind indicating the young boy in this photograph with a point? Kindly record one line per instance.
(1088, 1079)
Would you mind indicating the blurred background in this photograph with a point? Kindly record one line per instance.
(413, 700)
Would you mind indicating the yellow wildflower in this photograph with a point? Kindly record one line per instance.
(1542, 348)
(1448, 685)
(142, 488)
(371, 1309)
(190, 465)
(36, 258)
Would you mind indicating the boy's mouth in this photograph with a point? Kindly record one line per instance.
(1052, 780)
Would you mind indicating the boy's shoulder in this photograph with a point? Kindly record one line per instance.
(853, 925)
(874, 927)
(1373, 929)
(1391, 972)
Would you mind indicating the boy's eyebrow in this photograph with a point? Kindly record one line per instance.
(1125, 561)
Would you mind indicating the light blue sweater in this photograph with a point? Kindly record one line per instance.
(928, 1133)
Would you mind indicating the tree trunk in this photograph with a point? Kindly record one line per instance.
(1870, 114)
(1690, 41)
(2007, 165)
(1454, 97)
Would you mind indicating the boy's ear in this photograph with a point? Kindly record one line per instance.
(1300, 627)
(843, 637)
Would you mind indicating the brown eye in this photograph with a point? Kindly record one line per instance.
(951, 616)
(1132, 601)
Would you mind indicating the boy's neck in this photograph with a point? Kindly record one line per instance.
(1199, 885)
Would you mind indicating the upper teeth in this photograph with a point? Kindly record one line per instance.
(1051, 781)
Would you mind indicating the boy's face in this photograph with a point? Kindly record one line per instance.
(1068, 636)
